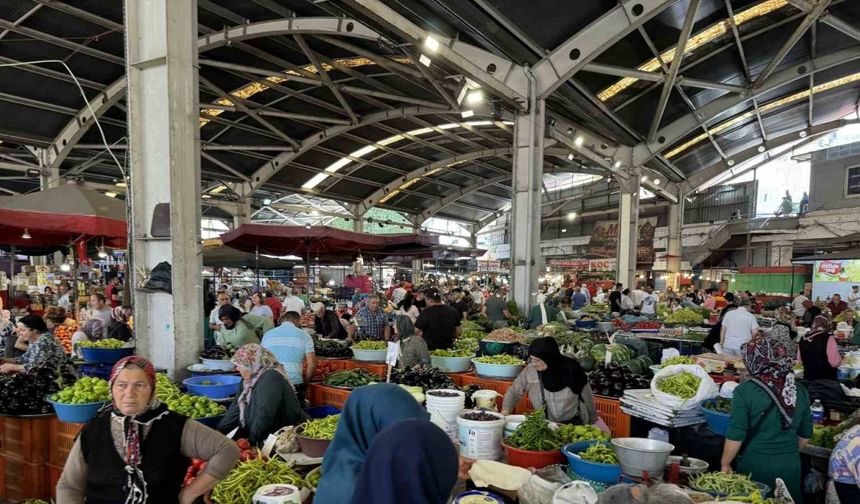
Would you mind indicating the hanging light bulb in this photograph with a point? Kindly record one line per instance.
(26, 235)
(65, 267)
(102, 254)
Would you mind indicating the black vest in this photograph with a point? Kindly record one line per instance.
(162, 462)
(814, 356)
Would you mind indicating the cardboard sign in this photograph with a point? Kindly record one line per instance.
(393, 353)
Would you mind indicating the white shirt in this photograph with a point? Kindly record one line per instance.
(398, 295)
(626, 303)
(739, 325)
(797, 305)
(586, 293)
(600, 298)
(637, 295)
(293, 303)
(412, 313)
(64, 301)
(649, 303)
(213, 319)
(540, 298)
(478, 298)
(854, 299)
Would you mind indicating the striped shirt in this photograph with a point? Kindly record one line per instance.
(289, 344)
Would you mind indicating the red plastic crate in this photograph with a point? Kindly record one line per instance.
(322, 395)
(23, 480)
(458, 377)
(63, 437)
(326, 367)
(379, 370)
(609, 409)
(500, 386)
(26, 439)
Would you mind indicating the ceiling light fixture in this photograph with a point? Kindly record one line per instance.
(617, 164)
(267, 201)
(564, 230)
(730, 162)
(571, 216)
(431, 44)
(102, 253)
(26, 235)
(424, 60)
(578, 141)
(110, 194)
(802, 134)
(467, 113)
(475, 97)
(761, 148)
(570, 157)
(65, 267)
(307, 226)
(644, 178)
(656, 181)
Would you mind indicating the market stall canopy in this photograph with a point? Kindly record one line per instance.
(226, 257)
(61, 215)
(436, 253)
(841, 255)
(324, 243)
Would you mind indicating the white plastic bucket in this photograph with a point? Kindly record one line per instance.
(481, 440)
(444, 410)
(486, 399)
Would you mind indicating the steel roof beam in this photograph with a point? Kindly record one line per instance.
(828, 19)
(583, 47)
(799, 32)
(276, 113)
(617, 71)
(61, 42)
(81, 14)
(312, 57)
(686, 124)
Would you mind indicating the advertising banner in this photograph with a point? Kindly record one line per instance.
(574, 264)
(604, 240)
(847, 270)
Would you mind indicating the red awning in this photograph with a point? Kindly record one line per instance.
(61, 215)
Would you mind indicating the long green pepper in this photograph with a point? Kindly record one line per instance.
(322, 428)
(535, 434)
(241, 484)
(725, 484)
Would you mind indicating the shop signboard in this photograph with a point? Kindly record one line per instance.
(602, 265)
(489, 265)
(572, 264)
(604, 240)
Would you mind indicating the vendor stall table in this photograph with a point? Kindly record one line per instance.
(376, 368)
(26, 438)
(684, 345)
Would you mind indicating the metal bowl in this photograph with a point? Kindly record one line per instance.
(694, 466)
(637, 455)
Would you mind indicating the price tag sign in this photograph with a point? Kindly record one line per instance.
(393, 353)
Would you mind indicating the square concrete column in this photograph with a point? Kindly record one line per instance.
(526, 209)
(164, 147)
(674, 241)
(628, 229)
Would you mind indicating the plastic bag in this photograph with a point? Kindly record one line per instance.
(668, 353)
(707, 387)
(575, 492)
(537, 491)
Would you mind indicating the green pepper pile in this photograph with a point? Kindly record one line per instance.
(105, 344)
(452, 352)
(351, 378)
(686, 316)
(575, 433)
(321, 428)
(600, 453)
(684, 385)
(242, 483)
(370, 345)
(535, 434)
(725, 484)
(681, 359)
(165, 390)
(500, 360)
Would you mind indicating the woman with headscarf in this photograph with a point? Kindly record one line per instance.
(91, 330)
(118, 327)
(326, 323)
(555, 381)
(367, 411)
(136, 451)
(770, 417)
(429, 471)
(407, 307)
(785, 324)
(818, 351)
(413, 348)
(241, 328)
(266, 400)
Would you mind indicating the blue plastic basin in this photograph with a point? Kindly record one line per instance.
(718, 421)
(321, 411)
(221, 386)
(490, 348)
(96, 370)
(504, 371)
(602, 473)
(105, 355)
(76, 413)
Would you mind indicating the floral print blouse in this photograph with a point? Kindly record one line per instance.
(44, 350)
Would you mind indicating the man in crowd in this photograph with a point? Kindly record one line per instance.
(438, 324)
(854, 297)
(836, 305)
(797, 306)
(113, 293)
(293, 347)
(370, 322)
(649, 302)
(578, 301)
(615, 299)
(739, 326)
(398, 294)
(710, 301)
(292, 303)
(420, 302)
(214, 320)
(496, 310)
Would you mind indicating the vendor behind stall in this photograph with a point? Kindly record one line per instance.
(326, 323)
(118, 327)
(542, 313)
(91, 330)
(818, 351)
(555, 381)
(241, 328)
(770, 417)
(138, 451)
(266, 400)
(42, 348)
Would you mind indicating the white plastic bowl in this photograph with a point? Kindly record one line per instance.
(369, 355)
(219, 364)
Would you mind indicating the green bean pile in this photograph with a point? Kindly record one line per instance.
(243, 481)
(535, 434)
(681, 359)
(599, 453)
(165, 390)
(684, 385)
(322, 428)
(725, 484)
(370, 345)
(500, 360)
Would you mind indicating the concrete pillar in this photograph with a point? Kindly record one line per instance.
(674, 241)
(781, 252)
(526, 208)
(242, 214)
(417, 269)
(164, 145)
(628, 229)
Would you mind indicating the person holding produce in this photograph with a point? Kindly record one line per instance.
(43, 349)
(770, 417)
(137, 451)
(739, 326)
(438, 324)
(118, 327)
(413, 348)
(543, 313)
(91, 330)
(367, 411)
(326, 323)
(818, 351)
(294, 349)
(845, 466)
(266, 400)
(241, 328)
(429, 471)
(556, 382)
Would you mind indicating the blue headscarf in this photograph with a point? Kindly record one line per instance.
(429, 471)
(368, 410)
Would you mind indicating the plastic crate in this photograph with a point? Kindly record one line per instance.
(322, 395)
(458, 377)
(326, 367)
(23, 480)
(500, 386)
(379, 370)
(609, 409)
(27, 439)
(63, 437)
